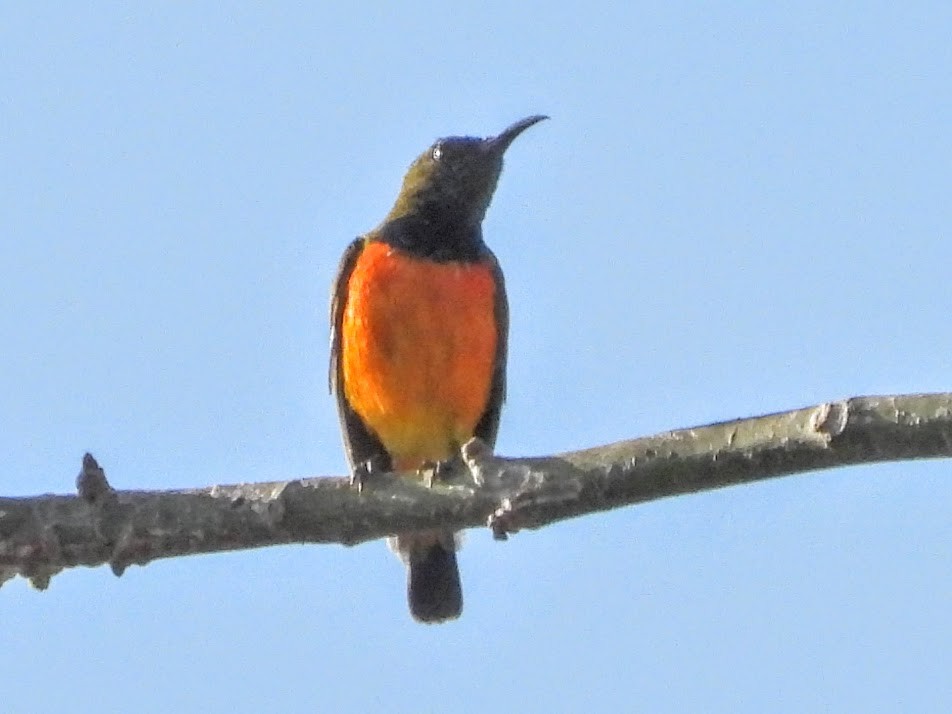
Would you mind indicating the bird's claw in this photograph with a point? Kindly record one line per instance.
(364, 472)
(435, 471)
(474, 453)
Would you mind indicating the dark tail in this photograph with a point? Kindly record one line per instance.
(434, 592)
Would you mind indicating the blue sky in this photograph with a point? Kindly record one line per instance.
(735, 209)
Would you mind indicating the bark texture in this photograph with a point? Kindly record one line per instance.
(42, 535)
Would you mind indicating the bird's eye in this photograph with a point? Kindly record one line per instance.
(437, 152)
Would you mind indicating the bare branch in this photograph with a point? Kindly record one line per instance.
(41, 535)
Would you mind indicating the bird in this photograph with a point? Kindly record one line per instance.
(419, 335)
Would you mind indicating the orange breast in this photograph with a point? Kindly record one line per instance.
(418, 346)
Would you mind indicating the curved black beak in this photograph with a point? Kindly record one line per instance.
(499, 144)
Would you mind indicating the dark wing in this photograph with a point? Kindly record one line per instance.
(359, 443)
(489, 422)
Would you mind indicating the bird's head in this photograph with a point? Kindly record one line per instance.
(452, 182)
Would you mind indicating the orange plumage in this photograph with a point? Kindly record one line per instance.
(418, 347)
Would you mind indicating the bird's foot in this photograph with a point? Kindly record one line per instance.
(435, 471)
(475, 453)
(364, 472)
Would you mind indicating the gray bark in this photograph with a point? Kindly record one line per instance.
(42, 535)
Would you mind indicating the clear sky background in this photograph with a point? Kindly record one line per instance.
(734, 210)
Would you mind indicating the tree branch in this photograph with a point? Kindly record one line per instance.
(41, 535)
